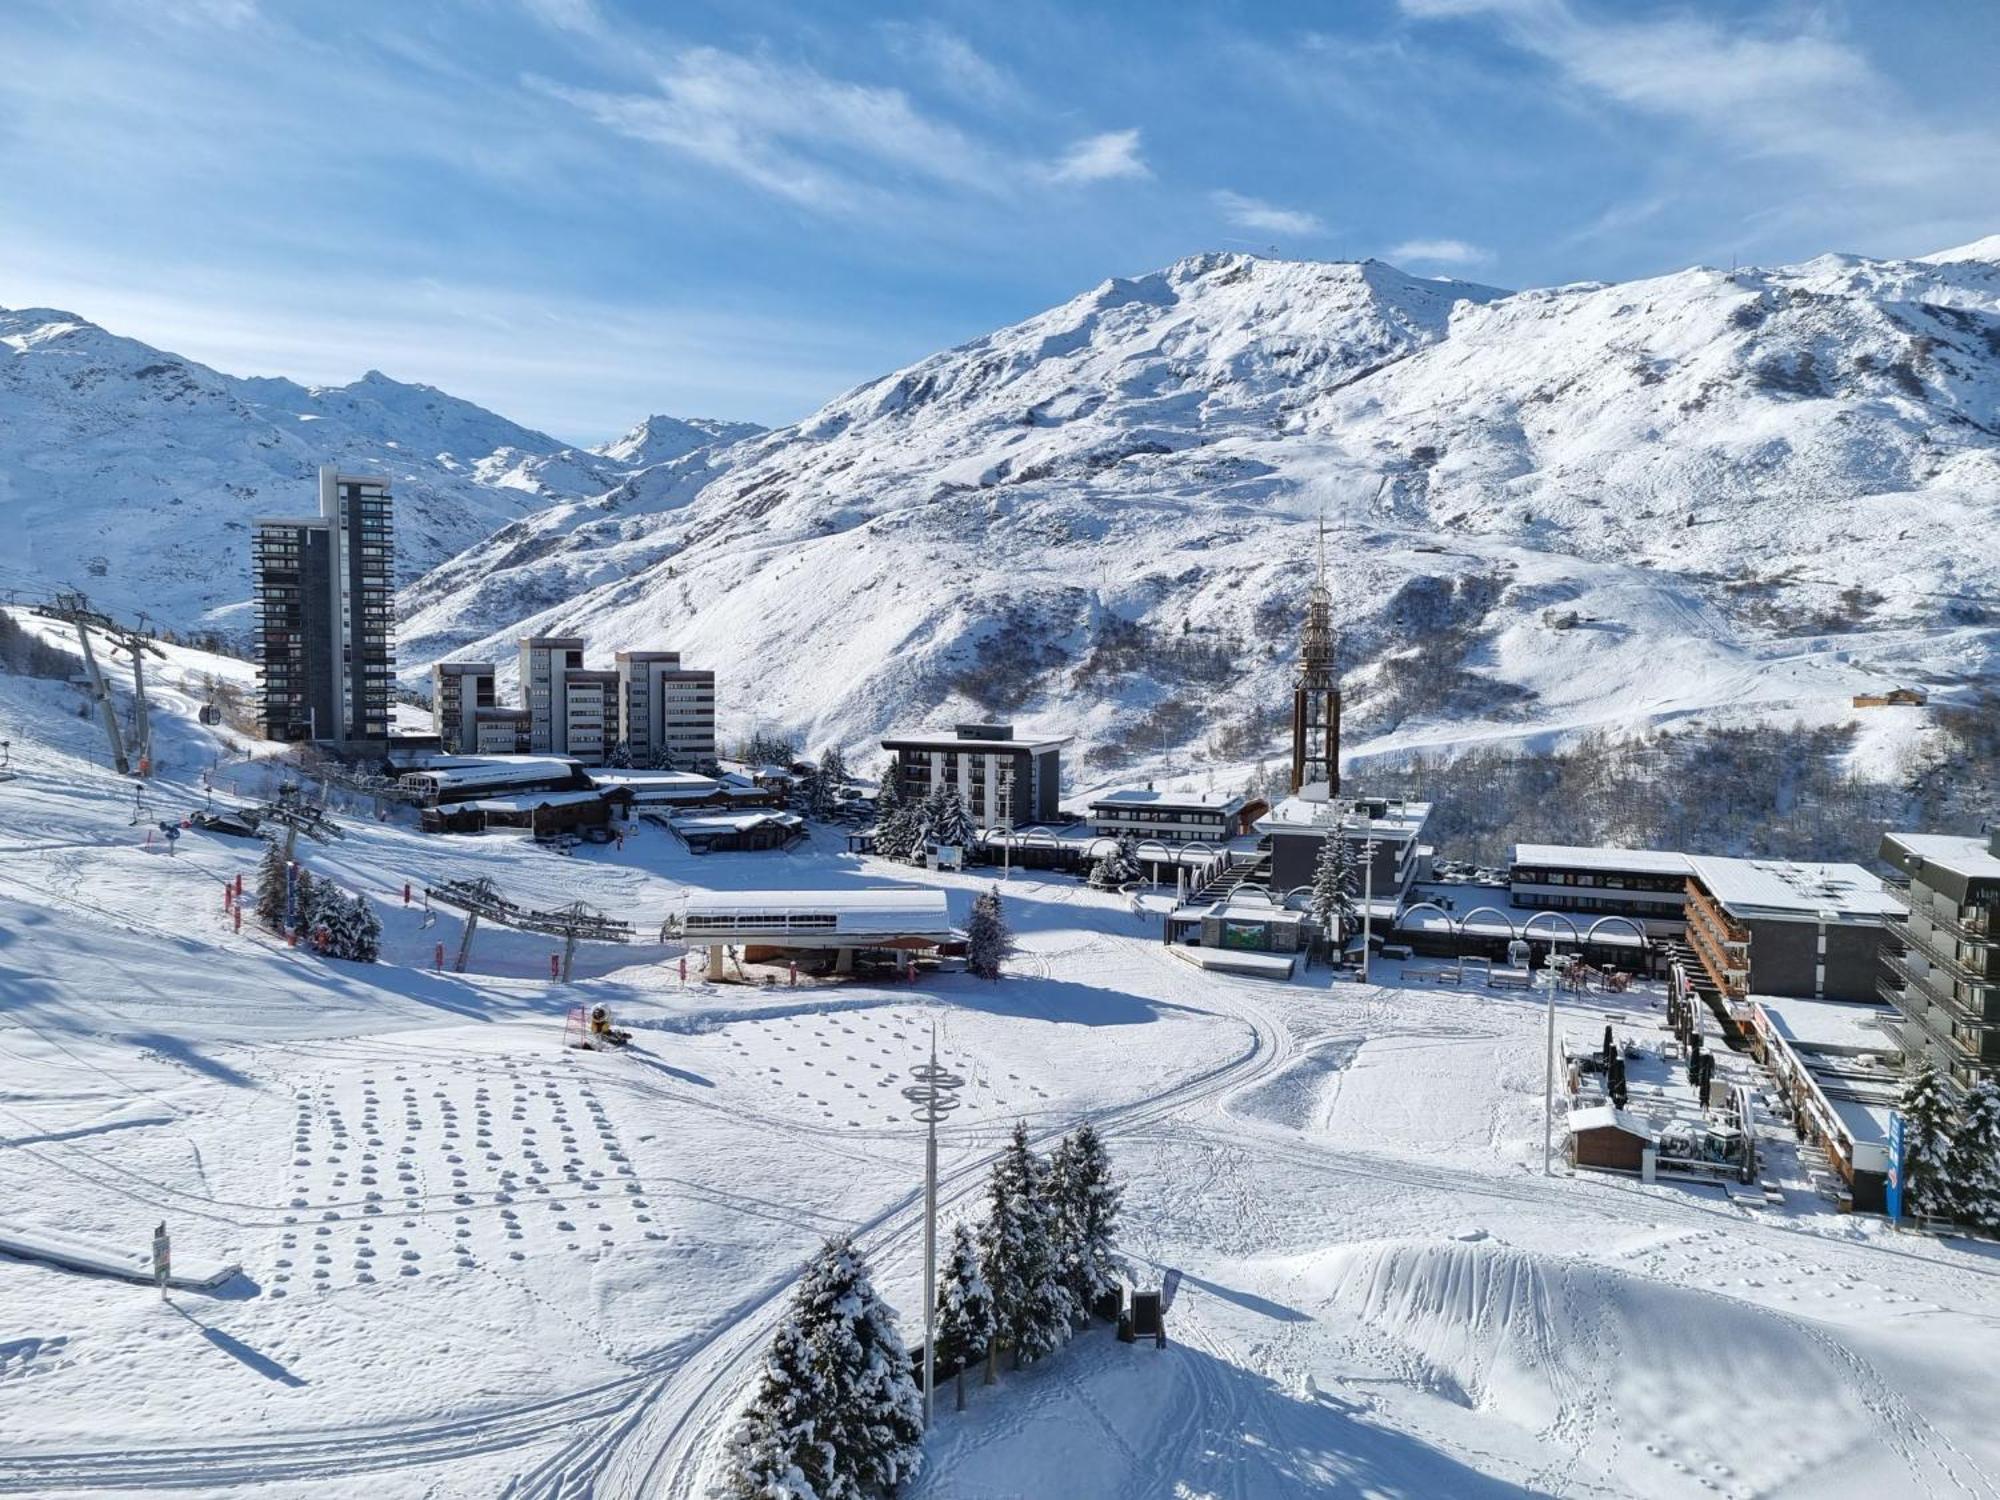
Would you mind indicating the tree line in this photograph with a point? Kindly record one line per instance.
(333, 922)
(1951, 1156)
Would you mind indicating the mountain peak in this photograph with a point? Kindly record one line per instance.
(1987, 249)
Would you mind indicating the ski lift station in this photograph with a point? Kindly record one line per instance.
(834, 926)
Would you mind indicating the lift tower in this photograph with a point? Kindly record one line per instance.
(74, 609)
(1316, 690)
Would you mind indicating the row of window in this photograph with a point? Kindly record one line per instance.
(762, 922)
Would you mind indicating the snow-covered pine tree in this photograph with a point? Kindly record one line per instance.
(1973, 1165)
(366, 928)
(946, 820)
(986, 935)
(1018, 1254)
(306, 916)
(1329, 898)
(965, 1309)
(833, 767)
(895, 819)
(1118, 864)
(1926, 1110)
(271, 887)
(778, 1450)
(662, 759)
(620, 758)
(1086, 1198)
(873, 1411)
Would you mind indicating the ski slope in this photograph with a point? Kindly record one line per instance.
(476, 1264)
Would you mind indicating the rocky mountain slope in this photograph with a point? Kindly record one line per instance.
(134, 473)
(1698, 496)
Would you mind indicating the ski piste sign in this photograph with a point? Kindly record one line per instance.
(163, 1258)
(1892, 1193)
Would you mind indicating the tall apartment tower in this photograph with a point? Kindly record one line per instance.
(1316, 692)
(546, 661)
(666, 712)
(326, 614)
(1942, 966)
(459, 689)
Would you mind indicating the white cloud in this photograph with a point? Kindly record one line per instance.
(954, 62)
(1800, 94)
(1440, 252)
(786, 128)
(1267, 218)
(1102, 158)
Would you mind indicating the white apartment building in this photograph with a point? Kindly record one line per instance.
(665, 709)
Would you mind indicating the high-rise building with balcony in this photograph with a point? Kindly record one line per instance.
(459, 689)
(1942, 968)
(326, 614)
(666, 712)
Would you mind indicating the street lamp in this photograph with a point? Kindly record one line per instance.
(935, 1095)
(1549, 1061)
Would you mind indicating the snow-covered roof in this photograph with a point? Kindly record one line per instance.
(1583, 857)
(899, 911)
(1145, 796)
(1373, 818)
(734, 822)
(1794, 890)
(656, 785)
(465, 772)
(1957, 852)
(520, 802)
(1832, 1026)
(945, 739)
(1601, 1116)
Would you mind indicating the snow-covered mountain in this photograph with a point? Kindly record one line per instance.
(134, 473)
(658, 439)
(1702, 494)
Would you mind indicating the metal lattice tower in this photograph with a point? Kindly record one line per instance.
(1316, 689)
(479, 898)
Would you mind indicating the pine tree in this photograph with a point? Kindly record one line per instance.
(1018, 1254)
(1926, 1109)
(365, 943)
(305, 903)
(833, 767)
(965, 1309)
(778, 1450)
(873, 1411)
(620, 758)
(1973, 1165)
(986, 935)
(895, 819)
(1085, 1199)
(271, 879)
(1331, 903)
(945, 820)
(1118, 865)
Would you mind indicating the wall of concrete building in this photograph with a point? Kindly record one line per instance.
(1294, 857)
(1786, 959)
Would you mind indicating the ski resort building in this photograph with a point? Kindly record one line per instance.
(1005, 782)
(1387, 835)
(459, 689)
(1836, 1063)
(1941, 967)
(666, 712)
(1647, 885)
(326, 615)
(1175, 817)
(839, 925)
(1786, 928)
(546, 662)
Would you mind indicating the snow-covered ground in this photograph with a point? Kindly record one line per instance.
(475, 1263)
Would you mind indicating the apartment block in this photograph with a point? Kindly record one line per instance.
(459, 689)
(1005, 782)
(666, 712)
(1941, 969)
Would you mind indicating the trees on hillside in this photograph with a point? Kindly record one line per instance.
(986, 935)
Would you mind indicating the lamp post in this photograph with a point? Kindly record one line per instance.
(935, 1095)
(1549, 1063)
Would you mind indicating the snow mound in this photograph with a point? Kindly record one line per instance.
(1592, 1359)
(1297, 1095)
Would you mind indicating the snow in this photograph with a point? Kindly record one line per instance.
(1795, 888)
(1621, 861)
(1972, 858)
(474, 1261)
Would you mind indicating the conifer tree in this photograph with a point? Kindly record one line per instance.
(1117, 865)
(271, 880)
(305, 903)
(1018, 1254)
(873, 1411)
(1086, 1200)
(365, 929)
(944, 820)
(833, 767)
(1973, 1165)
(895, 819)
(1333, 888)
(965, 1322)
(986, 935)
(778, 1450)
(1926, 1109)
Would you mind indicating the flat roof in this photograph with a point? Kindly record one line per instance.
(460, 771)
(1960, 853)
(946, 741)
(1145, 796)
(1795, 890)
(889, 912)
(1836, 1026)
(1584, 857)
(734, 822)
(461, 666)
(641, 781)
(1601, 1116)
(1301, 814)
(517, 802)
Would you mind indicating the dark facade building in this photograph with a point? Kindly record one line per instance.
(1006, 782)
(326, 615)
(1647, 885)
(1786, 928)
(1942, 969)
(459, 690)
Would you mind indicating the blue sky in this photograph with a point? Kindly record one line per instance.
(580, 211)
